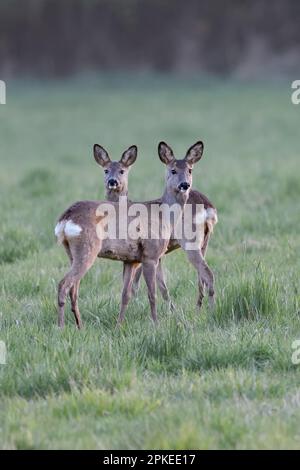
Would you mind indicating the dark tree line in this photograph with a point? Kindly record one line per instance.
(61, 37)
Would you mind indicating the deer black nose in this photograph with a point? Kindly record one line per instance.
(112, 183)
(184, 186)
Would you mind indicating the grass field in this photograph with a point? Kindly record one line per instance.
(222, 379)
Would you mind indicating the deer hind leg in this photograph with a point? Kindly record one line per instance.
(129, 271)
(83, 257)
(160, 278)
(204, 246)
(63, 289)
(74, 291)
(149, 272)
(209, 228)
(205, 275)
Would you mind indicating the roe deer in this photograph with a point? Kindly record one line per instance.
(81, 227)
(116, 185)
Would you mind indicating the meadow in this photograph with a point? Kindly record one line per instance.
(222, 379)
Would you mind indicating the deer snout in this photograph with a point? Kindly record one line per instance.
(112, 183)
(184, 186)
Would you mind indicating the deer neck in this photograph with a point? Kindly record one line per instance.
(180, 199)
(170, 198)
(114, 196)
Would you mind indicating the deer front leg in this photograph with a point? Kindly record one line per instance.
(160, 281)
(149, 272)
(136, 280)
(129, 270)
(160, 277)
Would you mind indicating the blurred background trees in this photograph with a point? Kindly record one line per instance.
(230, 38)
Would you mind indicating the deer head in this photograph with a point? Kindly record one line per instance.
(115, 173)
(179, 171)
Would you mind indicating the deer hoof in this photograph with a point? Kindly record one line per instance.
(211, 301)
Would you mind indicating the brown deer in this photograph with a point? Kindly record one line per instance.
(116, 185)
(82, 226)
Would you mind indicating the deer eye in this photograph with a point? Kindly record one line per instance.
(190, 171)
(173, 172)
(122, 172)
(106, 171)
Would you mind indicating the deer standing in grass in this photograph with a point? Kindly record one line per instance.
(116, 185)
(81, 226)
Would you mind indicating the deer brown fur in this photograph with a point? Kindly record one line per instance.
(116, 185)
(79, 226)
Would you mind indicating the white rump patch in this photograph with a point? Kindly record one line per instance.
(208, 215)
(67, 228)
(211, 214)
(59, 231)
(72, 230)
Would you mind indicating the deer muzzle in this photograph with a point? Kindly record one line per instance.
(183, 187)
(112, 183)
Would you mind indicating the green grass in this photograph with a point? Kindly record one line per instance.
(222, 379)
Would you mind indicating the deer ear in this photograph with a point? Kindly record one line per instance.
(194, 153)
(165, 153)
(101, 156)
(129, 156)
